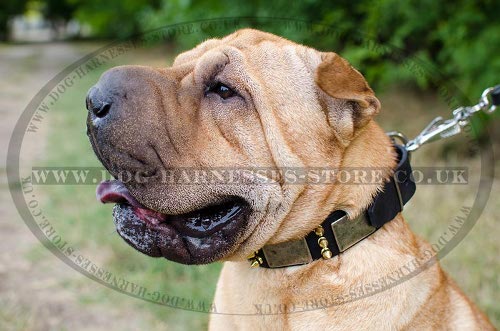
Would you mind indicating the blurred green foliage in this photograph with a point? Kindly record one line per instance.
(459, 38)
(113, 18)
(55, 10)
(9, 9)
(454, 44)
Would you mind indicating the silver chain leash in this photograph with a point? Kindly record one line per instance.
(439, 128)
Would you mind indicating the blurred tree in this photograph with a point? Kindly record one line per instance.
(113, 18)
(58, 13)
(9, 9)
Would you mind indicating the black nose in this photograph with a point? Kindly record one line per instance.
(97, 103)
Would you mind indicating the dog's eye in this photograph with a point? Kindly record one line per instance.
(221, 90)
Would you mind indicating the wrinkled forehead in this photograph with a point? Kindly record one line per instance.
(243, 40)
(250, 49)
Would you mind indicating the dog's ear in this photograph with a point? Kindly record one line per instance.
(353, 103)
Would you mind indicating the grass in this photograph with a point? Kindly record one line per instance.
(87, 224)
(473, 263)
(14, 317)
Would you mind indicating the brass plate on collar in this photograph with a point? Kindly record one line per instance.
(349, 232)
(287, 253)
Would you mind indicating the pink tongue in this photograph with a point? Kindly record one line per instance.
(113, 191)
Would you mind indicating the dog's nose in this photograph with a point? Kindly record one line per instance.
(97, 103)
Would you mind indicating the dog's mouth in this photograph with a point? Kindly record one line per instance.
(200, 236)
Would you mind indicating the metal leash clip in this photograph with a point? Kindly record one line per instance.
(439, 128)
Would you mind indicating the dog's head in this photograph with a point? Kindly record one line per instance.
(241, 106)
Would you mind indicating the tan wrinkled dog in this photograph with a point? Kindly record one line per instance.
(295, 107)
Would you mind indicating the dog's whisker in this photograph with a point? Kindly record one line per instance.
(113, 232)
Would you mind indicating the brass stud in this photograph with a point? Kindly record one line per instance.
(322, 242)
(255, 259)
(319, 231)
(326, 253)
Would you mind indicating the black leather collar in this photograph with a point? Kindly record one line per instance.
(338, 233)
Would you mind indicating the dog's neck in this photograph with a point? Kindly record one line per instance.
(370, 149)
(340, 230)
